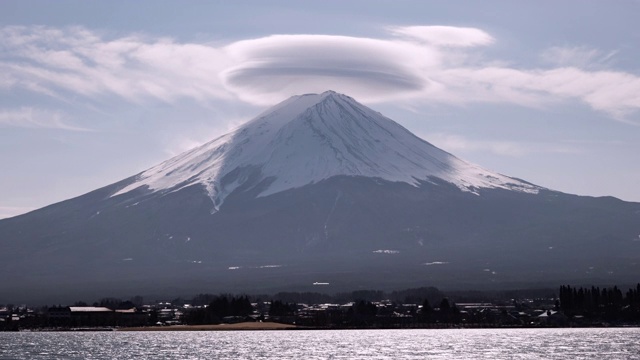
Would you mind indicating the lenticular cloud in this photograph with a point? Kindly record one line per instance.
(283, 64)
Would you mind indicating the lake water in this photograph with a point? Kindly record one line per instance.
(609, 343)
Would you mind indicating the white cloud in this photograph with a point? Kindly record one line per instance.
(277, 66)
(414, 64)
(28, 117)
(616, 93)
(79, 61)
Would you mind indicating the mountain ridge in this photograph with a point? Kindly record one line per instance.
(313, 137)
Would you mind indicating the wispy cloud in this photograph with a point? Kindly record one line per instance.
(613, 92)
(28, 117)
(135, 67)
(444, 35)
(577, 56)
(412, 64)
(459, 143)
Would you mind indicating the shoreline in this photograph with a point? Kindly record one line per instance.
(257, 326)
(220, 327)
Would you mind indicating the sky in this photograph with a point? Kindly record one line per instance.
(92, 92)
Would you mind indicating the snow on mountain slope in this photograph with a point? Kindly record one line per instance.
(309, 138)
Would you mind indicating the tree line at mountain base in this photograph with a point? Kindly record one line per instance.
(593, 304)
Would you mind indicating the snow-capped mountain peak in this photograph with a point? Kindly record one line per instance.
(309, 138)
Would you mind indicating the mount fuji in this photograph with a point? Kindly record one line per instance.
(310, 138)
(318, 189)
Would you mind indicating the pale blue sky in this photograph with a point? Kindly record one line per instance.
(92, 92)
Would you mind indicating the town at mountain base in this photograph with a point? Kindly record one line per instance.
(318, 192)
(425, 307)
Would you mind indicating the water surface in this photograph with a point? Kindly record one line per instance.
(609, 343)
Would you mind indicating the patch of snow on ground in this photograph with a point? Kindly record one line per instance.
(436, 263)
(386, 252)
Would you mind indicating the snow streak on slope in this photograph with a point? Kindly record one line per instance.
(310, 138)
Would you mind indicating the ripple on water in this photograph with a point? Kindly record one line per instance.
(610, 343)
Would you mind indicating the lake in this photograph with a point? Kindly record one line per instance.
(600, 343)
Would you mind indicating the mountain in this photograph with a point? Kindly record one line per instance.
(317, 189)
(310, 138)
